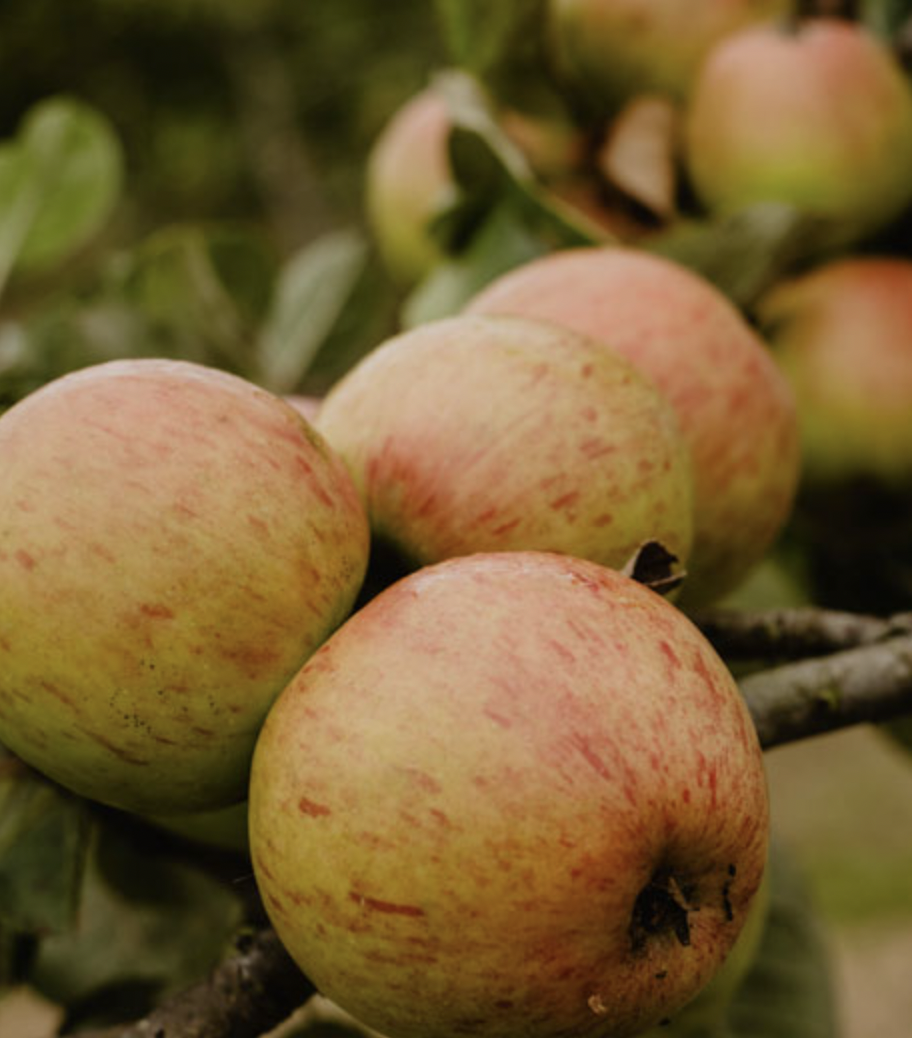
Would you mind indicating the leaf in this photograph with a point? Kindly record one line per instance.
(207, 285)
(885, 17)
(504, 241)
(43, 837)
(60, 179)
(745, 253)
(313, 290)
(789, 992)
(148, 920)
(503, 44)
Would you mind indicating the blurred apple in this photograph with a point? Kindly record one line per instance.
(842, 334)
(174, 543)
(480, 433)
(407, 183)
(818, 115)
(609, 51)
(515, 794)
(733, 406)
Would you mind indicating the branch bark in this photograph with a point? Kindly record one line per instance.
(792, 634)
(248, 994)
(871, 683)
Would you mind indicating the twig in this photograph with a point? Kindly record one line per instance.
(793, 634)
(247, 995)
(797, 700)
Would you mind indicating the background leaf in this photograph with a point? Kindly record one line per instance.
(43, 836)
(788, 993)
(313, 290)
(60, 179)
(150, 923)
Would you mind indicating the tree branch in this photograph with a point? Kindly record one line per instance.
(792, 634)
(871, 683)
(245, 996)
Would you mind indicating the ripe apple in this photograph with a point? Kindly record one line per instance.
(733, 406)
(611, 50)
(481, 433)
(708, 1011)
(842, 333)
(819, 116)
(515, 794)
(174, 543)
(408, 181)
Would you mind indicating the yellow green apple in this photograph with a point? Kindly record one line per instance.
(733, 405)
(515, 794)
(609, 51)
(491, 433)
(842, 334)
(408, 182)
(174, 543)
(818, 116)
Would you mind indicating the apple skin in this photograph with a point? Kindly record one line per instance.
(223, 829)
(710, 1008)
(516, 793)
(407, 182)
(819, 116)
(612, 50)
(174, 543)
(842, 334)
(734, 407)
(489, 433)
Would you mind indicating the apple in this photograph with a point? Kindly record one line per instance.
(408, 182)
(489, 433)
(709, 1010)
(174, 543)
(818, 116)
(223, 828)
(608, 51)
(734, 407)
(515, 794)
(842, 334)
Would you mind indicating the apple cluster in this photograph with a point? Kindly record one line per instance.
(516, 791)
(505, 788)
(640, 114)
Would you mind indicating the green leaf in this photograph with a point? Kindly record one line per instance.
(503, 44)
(43, 835)
(147, 919)
(312, 293)
(885, 17)
(743, 254)
(504, 241)
(789, 991)
(208, 286)
(60, 179)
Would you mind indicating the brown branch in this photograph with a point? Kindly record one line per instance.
(248, 994)
(792, 634)
(871, 683)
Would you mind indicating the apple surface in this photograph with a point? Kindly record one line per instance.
(734, 407)
(174, 543)
(706, 1014)
(515, 794)
(407, 182)
(818, 116)
(612, 50)
(489, 433)
(842, 334)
